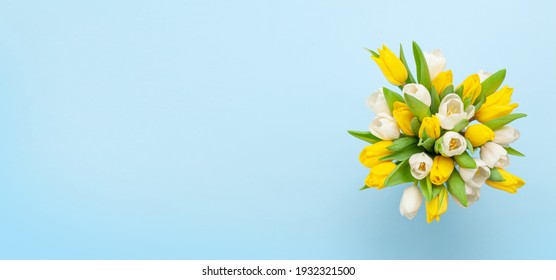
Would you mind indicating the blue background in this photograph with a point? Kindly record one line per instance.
(217, 129)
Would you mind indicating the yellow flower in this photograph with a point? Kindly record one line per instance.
(391, 66)
(471, 87)
(403, 117)
(370, 156)
(437, 206)
(378, 174)
(442, 168)
(443, 80)
(510, 184)
(478, 134)
(496, 105)
(431, 125)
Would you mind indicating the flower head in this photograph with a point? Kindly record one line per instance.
(510, 184)
(370, 156)
(496, 105)
(378, 174)
(391, 66)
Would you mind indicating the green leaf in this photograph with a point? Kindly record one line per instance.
(402, 143)
(492, 83)
(410, 79)
(426, 188)
(461, 125)
(415, 125)
(435, 101)
(513, 152)
(466, 161)
(502, 121)
(495, 175)
(470, 146)
(436, 189)
(423, 74)
(466, 103)
(449, 89)
(400, 175)
(456, 187)
(426, 142)
(372, 53)
(391, 97)
(365, 136)
(364, 188)
(480, 101)
(418, 108)
(403, 154)
(459, 91)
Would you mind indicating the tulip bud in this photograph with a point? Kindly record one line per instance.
(496, 105)
(411, 202)
(370, 156)
(403, 117)
(450, 111)
(473, 194)
(420, 165)
(443, 80)
(418, 91)
(377, 102)
(483, 75)
(471, 88)
(441, 170)
(391, 66)
(478, 134)
(510, 184)
(505, 135)
(385, 127)
(378, 174)
(475, 177)
(437, 206)
(436, 62)
(430, 125)
(451, 144)
(494, 155)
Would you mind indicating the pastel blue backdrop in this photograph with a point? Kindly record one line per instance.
(217, 129)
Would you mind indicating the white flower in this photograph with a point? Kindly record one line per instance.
(418, 91)
(473, 194)
(385, 127)
(475, 177)
(452, 144)
(483, 75)
(420, 165)
(436, 62)
(377, 103)
(450, 111)
(506, 135)
(494, 155)
(411, 202)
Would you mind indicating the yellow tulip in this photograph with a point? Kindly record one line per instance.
(391, 66)
(478, 134)
(378, 174)
(510, 184)
(370, 156)
(496, 105)
(403, 117)
(437, 206)
(442, 168)
(471, 87)
(443, 80)
(431, 125)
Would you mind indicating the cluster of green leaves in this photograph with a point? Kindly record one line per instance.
(407, 145)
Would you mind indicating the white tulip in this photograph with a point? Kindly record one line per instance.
(385, 127)
(450, 111)
(494, 155)
(473, 194)
(475, 177)
(418, 91)
(506, 135)
(483, 75)
(411, 202)
(377, 102)
(452, 144)
(436, 62)
(420, 165)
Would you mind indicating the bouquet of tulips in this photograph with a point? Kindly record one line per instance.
(426, 134)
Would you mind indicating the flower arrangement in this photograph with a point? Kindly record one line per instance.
(427, 135)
